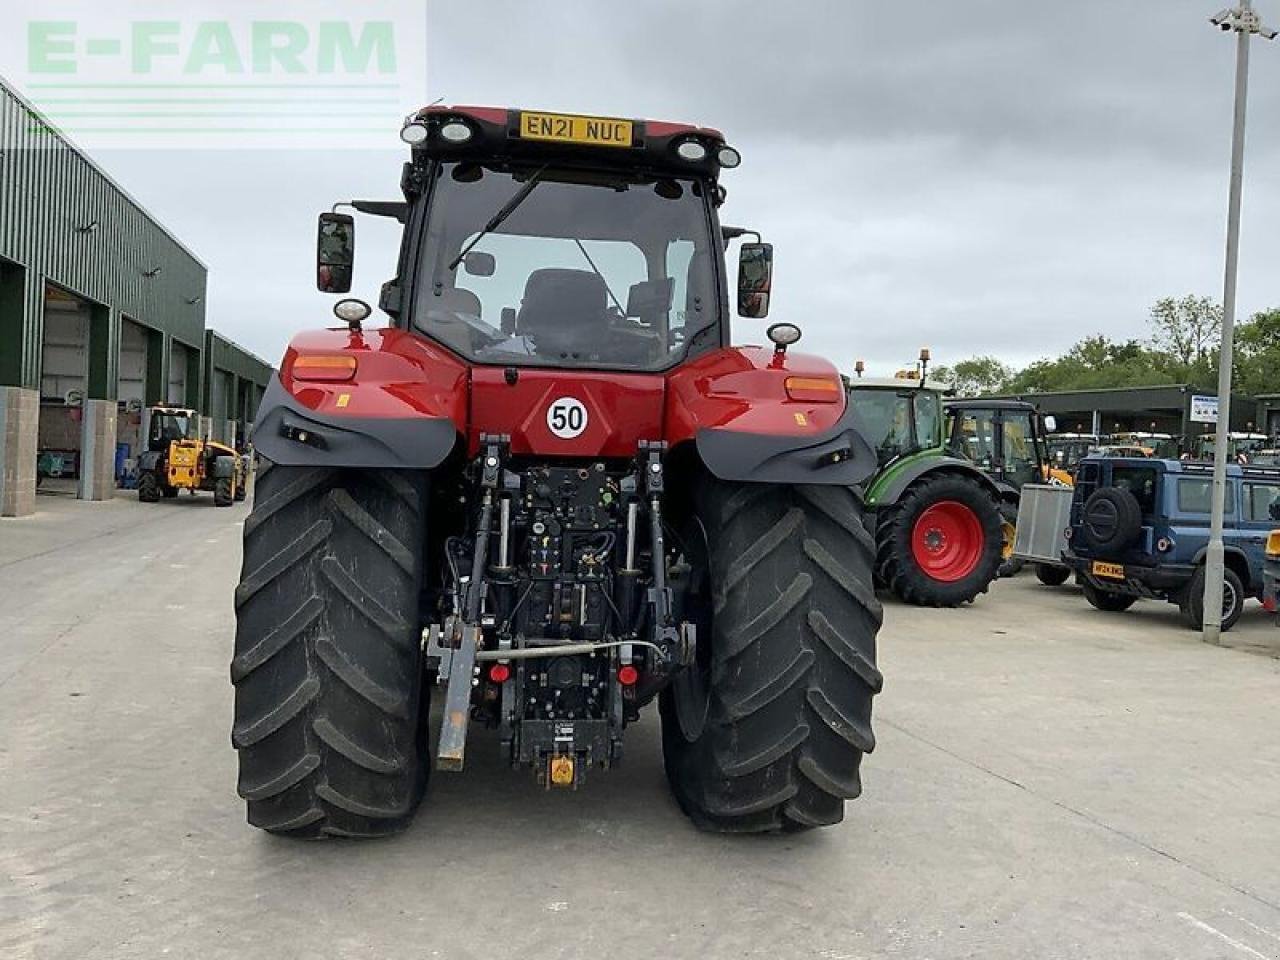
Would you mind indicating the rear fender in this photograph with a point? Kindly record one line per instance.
(732, 405)
(405, 405)
(902, 479)
(224, 467)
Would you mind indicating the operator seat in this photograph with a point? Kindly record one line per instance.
(559, 309)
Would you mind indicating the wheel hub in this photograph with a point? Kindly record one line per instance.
(947, 541)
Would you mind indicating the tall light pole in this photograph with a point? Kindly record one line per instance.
(1244, 22)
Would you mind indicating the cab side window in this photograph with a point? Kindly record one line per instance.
(1262, 502)
(1196, 496)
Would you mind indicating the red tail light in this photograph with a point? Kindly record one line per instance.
(628, 675)
(500, 673)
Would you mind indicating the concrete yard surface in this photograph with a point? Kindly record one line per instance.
(1050, 781)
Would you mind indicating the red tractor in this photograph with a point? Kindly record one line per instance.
(553, 491)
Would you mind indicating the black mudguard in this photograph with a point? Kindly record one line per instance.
(287, 433)
(900, 483)
(839, 456)
(150, 461)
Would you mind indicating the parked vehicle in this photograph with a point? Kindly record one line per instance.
(1140, 528)
(178, 458)
(1005, 440)
(1164, 446)
(937, 517)
(1241, 446)
(554, 487)
(1068, 449)
(1271, 574)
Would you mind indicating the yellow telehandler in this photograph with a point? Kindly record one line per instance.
(178, 458)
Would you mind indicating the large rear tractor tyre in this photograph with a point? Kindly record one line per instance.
(940, 544)
(1009, 564)
(767, 731)
(1108, 601)
(224, 492)
(148, 488)
(330, 706)
(1192, 601)
(1052, 576)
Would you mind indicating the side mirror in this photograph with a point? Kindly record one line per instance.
(479, 264)
(335, 252)
(1051, 423)
(755, 279)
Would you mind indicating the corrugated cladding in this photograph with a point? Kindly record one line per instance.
(50, 195)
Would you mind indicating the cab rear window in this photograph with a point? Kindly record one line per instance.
(1141, 482)
(1195, 495)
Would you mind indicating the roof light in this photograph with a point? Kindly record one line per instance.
(783, 334)
(352, 310)
(455, 131)
(692, 150)
(728, 157)
(324, 367)
(413, 133)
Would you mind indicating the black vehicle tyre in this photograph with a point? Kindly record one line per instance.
(768, 730)
(1052, 576)
(148, 488)
(1112, 519)
(1009, 564)
(1101, 599)
(170, 493)
(940, 544)
(224, 492)
(1192, 602)
(330, 707)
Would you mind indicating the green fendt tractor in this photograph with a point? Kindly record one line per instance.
(937, 517)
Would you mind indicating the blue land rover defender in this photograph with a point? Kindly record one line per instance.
(1140, 528)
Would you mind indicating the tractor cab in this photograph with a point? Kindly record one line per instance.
(901, 418)
(1005, 438)
(170, 424)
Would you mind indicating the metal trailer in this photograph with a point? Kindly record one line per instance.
(1044, 515)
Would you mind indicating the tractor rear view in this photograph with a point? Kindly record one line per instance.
(178, 458)
(551, 493)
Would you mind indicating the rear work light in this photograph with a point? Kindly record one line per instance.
(814, 389)
(319, 367)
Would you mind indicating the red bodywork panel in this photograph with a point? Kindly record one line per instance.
(398, 374)
(405, 375)
(622, 409)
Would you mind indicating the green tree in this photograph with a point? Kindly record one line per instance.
(977, 376)
(1257, 357)
(1188, 330)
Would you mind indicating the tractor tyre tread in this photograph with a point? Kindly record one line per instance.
(791, 671)
(329, 703)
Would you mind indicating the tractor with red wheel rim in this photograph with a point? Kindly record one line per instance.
(937, 522)
(550, 492)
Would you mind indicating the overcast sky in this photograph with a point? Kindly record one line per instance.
(978, 177)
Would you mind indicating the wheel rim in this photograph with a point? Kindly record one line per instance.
(691, 687)
(1228, 598)
(947, 541)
